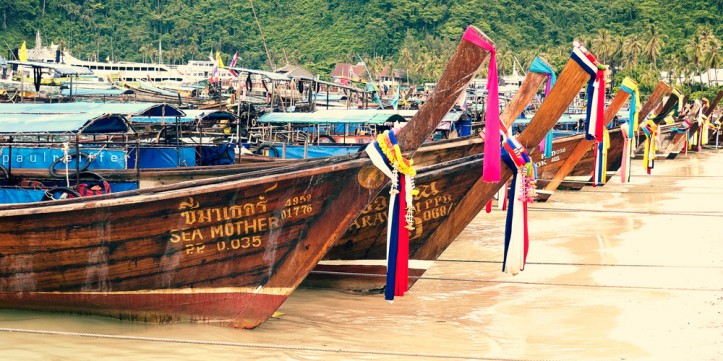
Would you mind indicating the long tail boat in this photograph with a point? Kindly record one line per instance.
(355, 261)
(227, 250)
(656, 125)
(680, 138)
(579, 159)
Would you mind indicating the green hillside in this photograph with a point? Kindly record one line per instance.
(635, 37)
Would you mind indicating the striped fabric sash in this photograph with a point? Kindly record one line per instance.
(601, 160)
(387, 156)
(491, 163)
(631, 87)
(595, 92)
(539, 66)
(649, 129)
(522, 192)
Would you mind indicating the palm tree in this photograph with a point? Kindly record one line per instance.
(631, 50)
(604, 45)
(653, 45)
(696, 49)
(714, 60)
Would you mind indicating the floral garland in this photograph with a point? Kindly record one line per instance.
(386, 155)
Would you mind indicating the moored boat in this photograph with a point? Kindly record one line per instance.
(580, 157)
(226, 250)
(355, 261)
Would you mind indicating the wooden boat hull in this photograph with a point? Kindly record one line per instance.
(562, 148)
(229, 252)
(243, 241)
(355, 262)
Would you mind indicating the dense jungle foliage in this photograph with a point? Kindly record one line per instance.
(635, 37)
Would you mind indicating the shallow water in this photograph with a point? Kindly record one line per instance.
(625, 271)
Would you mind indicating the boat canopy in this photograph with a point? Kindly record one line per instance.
(85, 123)
(147, 109)
(268, 74)
(62, 69)
(96, 92)
(337, 85)
(190, 116)
(334, 117)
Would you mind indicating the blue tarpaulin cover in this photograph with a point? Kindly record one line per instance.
(334, 116)
(314, 151)
(62, 123)
(159, 157)
(80, 107)
(44, 157)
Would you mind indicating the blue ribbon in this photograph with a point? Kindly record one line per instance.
(590, 91)
(633, 107)
(510, 204)
(539, 66)
(393, 247)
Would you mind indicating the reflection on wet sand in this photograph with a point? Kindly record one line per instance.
(625, 271)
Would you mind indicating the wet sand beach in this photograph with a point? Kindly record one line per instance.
(620, 272)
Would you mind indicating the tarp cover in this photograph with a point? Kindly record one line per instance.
(377, 117)
(42, 158)
(96, 122)
(95, 92)
(158, 157)
(314, 151)
(61, 69)
(149, 109)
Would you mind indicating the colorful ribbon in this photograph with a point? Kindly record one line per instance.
(649, 129)
(539, 66)
(522, 192)
(601, 160)
(387, 156)
(491, 163)
(631, 87)
(595, 92)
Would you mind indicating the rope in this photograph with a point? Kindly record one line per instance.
(66, 160)
(685, 213)
(262, 35)
(557, 284)
(583, 264)
(255, 345)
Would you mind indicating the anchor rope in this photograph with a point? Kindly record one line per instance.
(257, 345)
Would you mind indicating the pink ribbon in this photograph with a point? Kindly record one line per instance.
(491, 172)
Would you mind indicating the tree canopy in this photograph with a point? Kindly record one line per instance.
(413, 35)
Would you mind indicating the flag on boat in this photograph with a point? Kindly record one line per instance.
(23, 53)
(219, 61)
(395, 101)
(233, 63)
(210, 56)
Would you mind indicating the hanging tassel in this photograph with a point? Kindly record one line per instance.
(401, 283)
(522, 191)
(649, 130)
(626, 163)
(594, 112)
(387, 156)
(601, 155)
(491, 162)
(392, 243)
(628, 130)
